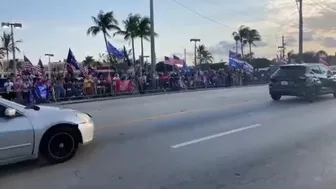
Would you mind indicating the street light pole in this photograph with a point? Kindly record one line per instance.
(12, 26)
(300, 30)
(195, 50)
(49, 64)
(13, 49)
(152, 37)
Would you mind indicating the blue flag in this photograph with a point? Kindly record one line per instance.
(235, 60)
(72, 60)
(114, 51)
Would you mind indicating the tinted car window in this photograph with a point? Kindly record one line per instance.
(316, 69)
(324, 69)
(290, 71)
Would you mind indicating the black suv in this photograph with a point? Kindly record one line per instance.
(302, 80)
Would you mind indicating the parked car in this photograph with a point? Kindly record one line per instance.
(28, 132)
(302, 80)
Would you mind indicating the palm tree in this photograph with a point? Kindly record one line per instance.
(90, 61)
(236, 37)
(241, 36)
(251, 37)
(104, 22)
(144, 33)
(7, 45)
(204, 55)
(130, 32)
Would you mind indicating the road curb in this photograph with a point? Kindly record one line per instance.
(144, 95)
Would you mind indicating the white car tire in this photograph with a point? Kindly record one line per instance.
(59, 145)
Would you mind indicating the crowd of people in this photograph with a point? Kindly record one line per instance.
(29, 88)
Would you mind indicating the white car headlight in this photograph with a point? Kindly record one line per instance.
(84, 117)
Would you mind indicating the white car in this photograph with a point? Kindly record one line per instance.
(26, 132)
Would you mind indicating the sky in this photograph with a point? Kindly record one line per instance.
(56, 26)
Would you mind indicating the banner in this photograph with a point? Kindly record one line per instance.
(41, 91)
(124, 86)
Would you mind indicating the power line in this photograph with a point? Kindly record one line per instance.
(210, 19)
(201, 15)
(320, 5)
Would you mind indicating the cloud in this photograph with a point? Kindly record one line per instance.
(260, 44)
(328, 42)
(222, 47)
(292, 39)
(323, 20)
(308, 36)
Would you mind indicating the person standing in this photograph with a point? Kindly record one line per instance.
(9, 87)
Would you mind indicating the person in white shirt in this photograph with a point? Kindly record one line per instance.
(9, 85)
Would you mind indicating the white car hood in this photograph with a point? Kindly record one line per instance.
(48, 115)
(51, 111)
(54, 109)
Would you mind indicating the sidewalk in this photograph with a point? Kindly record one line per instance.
(143, 95)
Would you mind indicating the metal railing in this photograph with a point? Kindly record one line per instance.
(77, 91)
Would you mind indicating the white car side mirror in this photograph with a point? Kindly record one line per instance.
(10, 112)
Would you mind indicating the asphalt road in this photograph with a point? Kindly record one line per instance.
(219, 139)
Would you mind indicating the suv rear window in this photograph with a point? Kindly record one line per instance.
(290, 71)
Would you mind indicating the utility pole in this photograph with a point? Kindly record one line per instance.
(300, 30)
(152, 38)
(282, 47)
(195, 41)
(49, 65)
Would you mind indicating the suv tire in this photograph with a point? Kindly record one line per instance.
(275, 97)
(311, 95)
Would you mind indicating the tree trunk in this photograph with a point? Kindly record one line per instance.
(7, 56)
(142, 55)
(240, 75)
(236, 47)
(250, 47)
(242, 49)
(133, 51)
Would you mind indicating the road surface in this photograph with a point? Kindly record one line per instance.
(219, 139)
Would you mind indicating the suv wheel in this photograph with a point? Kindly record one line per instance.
(311, 95)
(275, 97)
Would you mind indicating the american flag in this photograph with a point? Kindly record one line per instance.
(281, 60)
(39, 69)
(322, 61)
(168, 60)
(84, 71)
(70, 68)
(91, 70)
(27, 64)
(177, 60)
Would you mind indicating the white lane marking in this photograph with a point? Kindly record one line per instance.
(215, 136)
